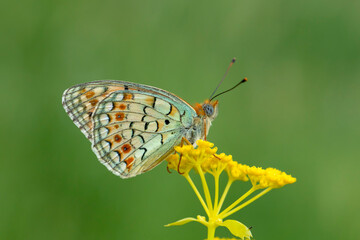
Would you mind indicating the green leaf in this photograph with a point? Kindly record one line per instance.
(182, 222)
(237, 228)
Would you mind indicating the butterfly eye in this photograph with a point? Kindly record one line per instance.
(208, 109)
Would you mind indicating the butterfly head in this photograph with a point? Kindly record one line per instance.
(208, 109)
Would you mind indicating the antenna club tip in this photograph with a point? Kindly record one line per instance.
(244, 80)
(233, 60)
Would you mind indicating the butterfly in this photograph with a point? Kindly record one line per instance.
(133, 127)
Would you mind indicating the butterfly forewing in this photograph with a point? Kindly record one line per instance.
(132, 127)
(80, 101)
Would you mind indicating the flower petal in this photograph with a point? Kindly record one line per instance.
(237, 229)
(182, 222)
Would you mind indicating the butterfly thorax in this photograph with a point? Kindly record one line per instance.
(196, 131)
(206, 112)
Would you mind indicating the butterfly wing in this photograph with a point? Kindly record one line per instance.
(132, 127)
(80, 101)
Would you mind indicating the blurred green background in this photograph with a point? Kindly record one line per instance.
(299, 112)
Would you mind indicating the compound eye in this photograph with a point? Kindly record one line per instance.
(208, 109)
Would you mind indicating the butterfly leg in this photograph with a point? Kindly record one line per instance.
(186, 141)
(183, 140)
(204, 129)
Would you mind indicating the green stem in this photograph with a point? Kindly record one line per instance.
(197, 193)
(239, 200)
(223, 196)
(245, 204)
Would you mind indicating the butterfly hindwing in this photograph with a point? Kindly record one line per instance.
(133, 130)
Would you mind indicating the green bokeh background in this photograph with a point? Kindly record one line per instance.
(299, 112)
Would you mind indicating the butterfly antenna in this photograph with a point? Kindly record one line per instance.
(227, 70)
(242, 81)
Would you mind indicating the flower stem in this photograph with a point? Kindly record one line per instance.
(206, 188)
(211, 232)
(246, 203)
(216, 199)
(197, 193)
(223, 196)
(239, 200)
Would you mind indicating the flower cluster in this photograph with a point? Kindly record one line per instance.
(204, 159)
(205, 156)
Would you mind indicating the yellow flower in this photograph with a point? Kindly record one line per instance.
(191, 158)
(204, 159)
(270, 177)
(237, 171)
(216, 163)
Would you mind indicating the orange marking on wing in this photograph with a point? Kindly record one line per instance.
(117, 138)
(116, 88)
(173, 111)
(150, 100)
(129, 162)
(122, 106)
(128, 96)
(161, 124)
(126, 148)
(83, 90)
(89, 94)
(120, 116)
(93, 102)
(112, 128)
